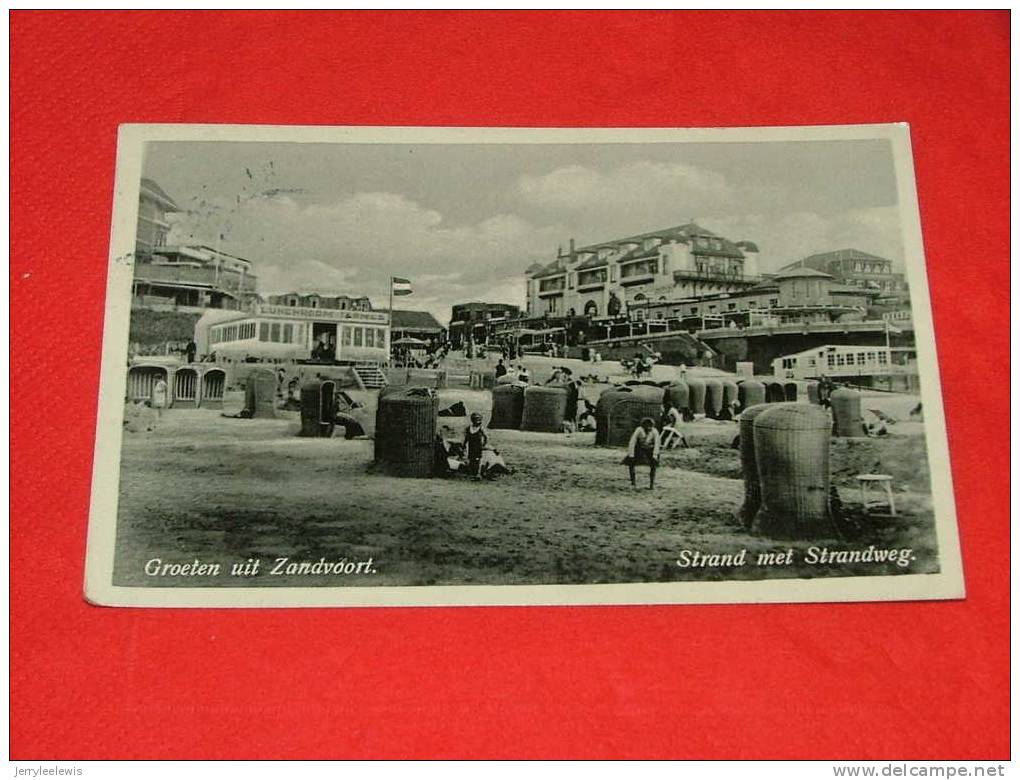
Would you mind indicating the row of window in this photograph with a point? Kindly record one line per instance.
(237, 332)
(282, 332)
(837, 359)
(295, 333)
(355, 336)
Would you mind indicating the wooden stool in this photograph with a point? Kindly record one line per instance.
(883, 480)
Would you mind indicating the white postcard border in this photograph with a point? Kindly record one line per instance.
(946, 584)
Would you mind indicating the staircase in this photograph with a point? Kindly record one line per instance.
(370, 375)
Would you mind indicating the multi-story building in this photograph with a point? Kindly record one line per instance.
(172, 278)
(153, 206)
(855, 268)
(670, 264)
(471, 321)
(314, 300)
(796, 295)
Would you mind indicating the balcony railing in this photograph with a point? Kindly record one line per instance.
(716, 276)
(229, 281)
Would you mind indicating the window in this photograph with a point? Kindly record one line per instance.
(346, 335)
(774, 302)
(380, 338)
(850, 358)
(840, 359)
(288, 333)
(263, 331)
(314, 303)
(359, 337)
(883, 358)
(369, 337)
(830, 360)
(731, 306)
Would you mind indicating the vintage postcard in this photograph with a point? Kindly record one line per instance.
(444, 366)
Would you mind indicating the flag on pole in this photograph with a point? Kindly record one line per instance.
(400, 286)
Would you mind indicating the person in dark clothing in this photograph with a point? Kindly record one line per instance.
(500, 368)
(190, 350)
(825, 388)
(475, 439)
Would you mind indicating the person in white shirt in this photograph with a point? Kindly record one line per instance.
(643, 450)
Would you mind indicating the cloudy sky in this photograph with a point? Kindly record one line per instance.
(464, 221)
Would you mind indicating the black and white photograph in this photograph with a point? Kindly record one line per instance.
(440, 366)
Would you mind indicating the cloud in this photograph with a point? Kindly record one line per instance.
(796, 235)
(354, 244)
(633, 197)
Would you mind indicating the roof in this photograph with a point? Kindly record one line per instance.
(485, 306)
(154, 191)
(846, 288)
(796, 272)
(823, 259)
(747, 246)
(553, 269)
(414, 320)
(592, 262)
(681, 233)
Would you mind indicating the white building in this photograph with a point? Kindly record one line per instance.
(678, 262)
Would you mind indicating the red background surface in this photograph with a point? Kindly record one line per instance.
(820, 680)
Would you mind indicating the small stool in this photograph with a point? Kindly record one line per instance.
(883, 480)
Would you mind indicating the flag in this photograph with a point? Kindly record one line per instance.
(401, 286)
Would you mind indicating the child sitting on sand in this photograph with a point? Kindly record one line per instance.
(643, 450)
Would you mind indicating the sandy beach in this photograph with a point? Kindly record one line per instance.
(199, 487)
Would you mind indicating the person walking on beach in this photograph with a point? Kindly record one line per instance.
(643, 450)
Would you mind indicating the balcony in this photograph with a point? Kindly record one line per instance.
(190, 276)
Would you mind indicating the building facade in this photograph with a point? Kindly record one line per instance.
(797, 295)
(471, 322)
(854, 268)
(670, 264)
